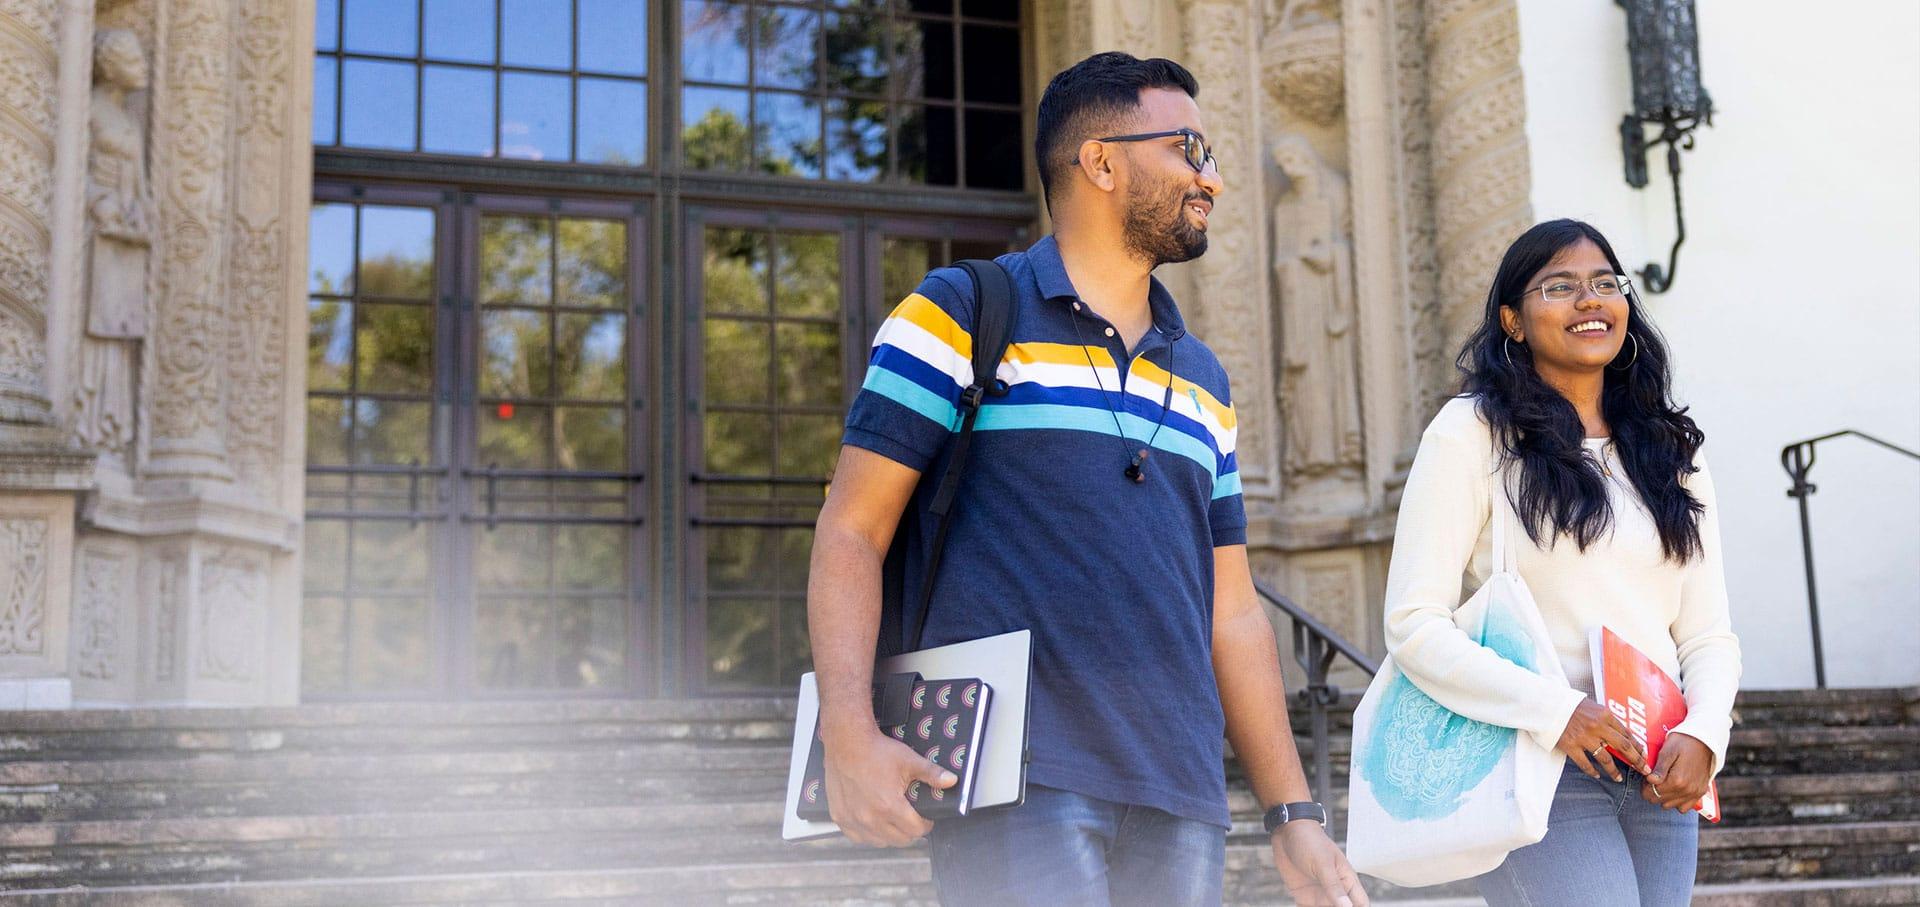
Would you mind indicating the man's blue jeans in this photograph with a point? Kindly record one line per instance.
(1606, 846)
(1063, 849)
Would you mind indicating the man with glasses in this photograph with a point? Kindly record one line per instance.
(1101, 510)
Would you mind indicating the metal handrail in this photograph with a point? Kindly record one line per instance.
(1315, 646)
(1797, 459)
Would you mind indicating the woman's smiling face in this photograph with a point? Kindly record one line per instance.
(1576, 335)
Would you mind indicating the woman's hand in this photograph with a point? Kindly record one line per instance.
(1681, 778)
(1589, 732)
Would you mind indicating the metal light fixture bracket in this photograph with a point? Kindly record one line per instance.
(1664, 50)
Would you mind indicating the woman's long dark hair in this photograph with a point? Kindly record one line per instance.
(1561, 489)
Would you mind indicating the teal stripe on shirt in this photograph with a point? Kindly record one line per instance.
(1004, 417)
(1228, 484)
(912, 396)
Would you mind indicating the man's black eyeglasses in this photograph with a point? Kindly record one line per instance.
(1191, 144)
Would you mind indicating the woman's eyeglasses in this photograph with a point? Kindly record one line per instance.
(1198, 155)
(1567, 289)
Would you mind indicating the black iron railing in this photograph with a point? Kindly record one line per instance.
(1315, 646)
(1797, 460)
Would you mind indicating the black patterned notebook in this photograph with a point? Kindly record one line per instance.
(945, 722)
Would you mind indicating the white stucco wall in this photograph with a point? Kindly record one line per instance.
(1796, 308)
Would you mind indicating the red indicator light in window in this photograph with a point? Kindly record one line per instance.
(504, 411)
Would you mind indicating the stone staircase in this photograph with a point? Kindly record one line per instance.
(626, 802)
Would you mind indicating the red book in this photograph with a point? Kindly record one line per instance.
(1644, 698)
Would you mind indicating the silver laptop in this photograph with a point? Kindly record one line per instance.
(1003, 662)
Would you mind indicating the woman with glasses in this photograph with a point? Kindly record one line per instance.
(1565, 396)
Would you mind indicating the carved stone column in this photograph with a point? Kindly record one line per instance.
(29, 74)
(1228, 300)
(192, 140)
(1481, 179)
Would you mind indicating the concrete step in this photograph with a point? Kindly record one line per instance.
(898, 880)
(1831, 708)
(265, 847)
(330, 784)
(894, 879)
(302, 783)
(861, 878)
(1801, 799)
(242, 844)
(1836, 850)
(1822, 750)
(1902, 890)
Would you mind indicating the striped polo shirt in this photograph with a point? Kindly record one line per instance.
(1114, 577)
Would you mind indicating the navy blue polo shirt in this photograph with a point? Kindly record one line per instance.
(1114, 577)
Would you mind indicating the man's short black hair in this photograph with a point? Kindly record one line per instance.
(1084, 100)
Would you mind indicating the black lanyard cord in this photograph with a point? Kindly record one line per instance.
(1136, 463)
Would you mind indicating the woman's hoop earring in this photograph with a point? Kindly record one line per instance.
(1636, 355)
(1506, 344)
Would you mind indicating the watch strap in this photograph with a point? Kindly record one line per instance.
(1292, 812)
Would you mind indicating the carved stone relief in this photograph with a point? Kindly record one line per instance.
(231, 595)
(23, 585)
(28, 75)
(98, 600)
(193, 138)
(258, 246)
(166, 582)
(1301, 61)
(1334, 590)
(1313, 276)
(118, 282)
(1432, 369)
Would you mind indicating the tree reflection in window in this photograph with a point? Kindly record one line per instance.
(773, 391)
(862, 94)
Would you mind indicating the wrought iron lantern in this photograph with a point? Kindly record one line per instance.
(1664, 48)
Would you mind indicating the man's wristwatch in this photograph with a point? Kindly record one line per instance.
(1289, 812)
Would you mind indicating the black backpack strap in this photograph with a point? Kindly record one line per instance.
(993, 329)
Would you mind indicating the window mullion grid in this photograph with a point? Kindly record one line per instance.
(959, 103)
(553, 372)
(820, 85)
(753, 86)
(419, 73)
(573, 83)
(773, 355)
(499, 74)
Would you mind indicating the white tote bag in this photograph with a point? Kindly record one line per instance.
(1434, 796)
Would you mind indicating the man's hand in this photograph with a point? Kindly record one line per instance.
(867, 778)
(1314, 870)
(1681, 778)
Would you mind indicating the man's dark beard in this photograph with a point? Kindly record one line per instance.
(1159, 237)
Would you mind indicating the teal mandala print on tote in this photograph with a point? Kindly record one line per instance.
(1423, 758)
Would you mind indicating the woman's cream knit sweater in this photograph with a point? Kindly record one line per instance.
(1676, 613)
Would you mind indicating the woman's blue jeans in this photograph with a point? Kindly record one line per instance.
(1606, 846)
(1061, 849)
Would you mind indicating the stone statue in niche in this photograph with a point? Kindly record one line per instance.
(1313, 273)
(119, 240)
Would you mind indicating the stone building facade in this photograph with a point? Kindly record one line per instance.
(157, 173)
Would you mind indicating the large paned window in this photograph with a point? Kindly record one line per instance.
(543, 80)
(593, 283)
